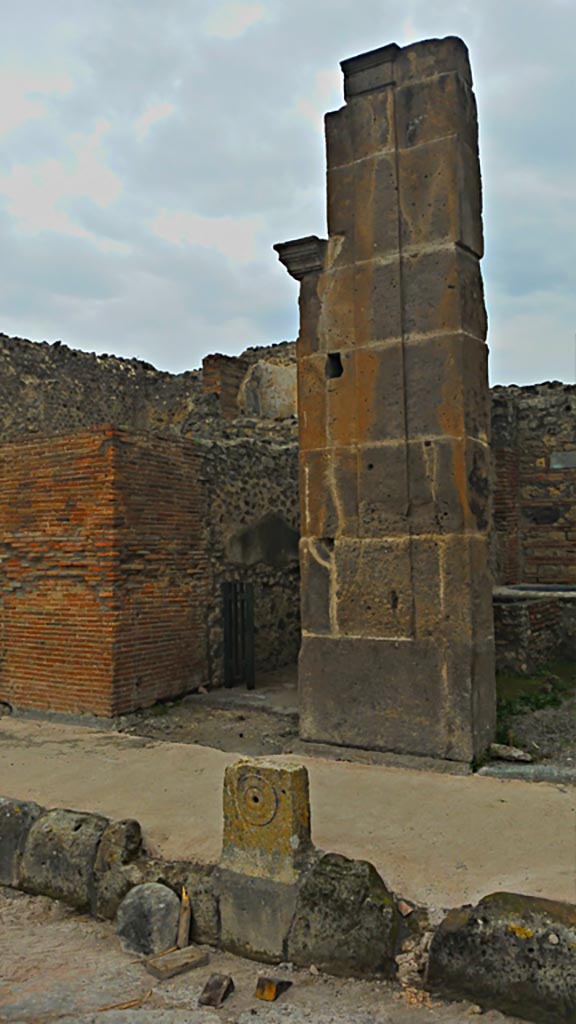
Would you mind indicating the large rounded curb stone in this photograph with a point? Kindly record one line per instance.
(59, 856)
(114, 874)
(16, 820)
(345, 922)
(511, 953)
(147, 919)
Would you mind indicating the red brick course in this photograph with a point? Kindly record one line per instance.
(103, 571)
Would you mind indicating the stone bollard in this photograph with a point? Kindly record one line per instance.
(266, 847)
(266, 820)
(280, 899)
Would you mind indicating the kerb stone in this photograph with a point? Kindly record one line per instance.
(59, 856)
(513, 953)
(16, 820)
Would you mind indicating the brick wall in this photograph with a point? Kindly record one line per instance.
(102, 571)
(162, 582)
(534, 503)
(223, 375)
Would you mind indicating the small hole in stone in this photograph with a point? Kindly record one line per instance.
(394, 599)
(255, 799)
(334, 366)
(370, 465)
(427, 444)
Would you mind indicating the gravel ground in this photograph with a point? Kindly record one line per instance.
(549, 734)
(57, 967)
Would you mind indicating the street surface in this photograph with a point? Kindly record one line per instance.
(58, 967)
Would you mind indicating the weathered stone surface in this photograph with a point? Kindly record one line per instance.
(397, 649)
(269, 390)
(256, 914)
(266, 819)
(346, 921)
(59, 856)
(114, 875)
(359, 692)
(201, 888)
(511, 952)
(148, 918)
(16, 820)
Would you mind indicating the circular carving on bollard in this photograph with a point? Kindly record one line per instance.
(257, 800)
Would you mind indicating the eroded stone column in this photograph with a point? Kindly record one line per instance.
(397, 642)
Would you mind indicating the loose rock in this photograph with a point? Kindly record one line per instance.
(148, 918)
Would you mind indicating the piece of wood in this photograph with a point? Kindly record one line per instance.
(132, 1004)
(169, 964)
(270, 988)
(216, 990)
(183, 939)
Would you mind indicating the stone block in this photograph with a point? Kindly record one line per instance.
(309, 304)
(449, 482)
(440, 195)
(381, 412)
(60, 854)
(316, 572)
(345, 921)
(120, 843)
(372, 128)
(454, 369)
(452, 587)
(338, 138)
(266, 820)
(147, 920)
(373, 694)
(359, 208)
(328, 493)
(370, 71)
(383, 499)
(511, 953)
(373, 588)
(336, 293)
(268, 391)
(256, 914)
(16, 820)
(443, 293)
(436, 108)
(432, 57)
(312, 402)
(341, 407)
(378, 301)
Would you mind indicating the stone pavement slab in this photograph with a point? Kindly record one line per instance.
(437, 839)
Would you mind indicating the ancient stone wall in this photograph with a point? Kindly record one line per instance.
(397, 646)
(251, 489)
(534, 443)
(46, 390)
(103, 572)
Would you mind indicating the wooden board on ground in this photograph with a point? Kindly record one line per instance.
(166, 965)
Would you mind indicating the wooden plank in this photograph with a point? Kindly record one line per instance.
(169, 964)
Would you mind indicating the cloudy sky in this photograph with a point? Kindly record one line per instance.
(152, 151)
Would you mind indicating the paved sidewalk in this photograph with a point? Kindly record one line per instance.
(438, 839)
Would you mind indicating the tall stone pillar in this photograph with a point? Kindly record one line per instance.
(397, 635)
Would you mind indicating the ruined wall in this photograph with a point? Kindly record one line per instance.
(47, 390)
(534, 443)
(58, 569)
(163, 570)
(102, 572)
(246, 482)
(397, 644)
